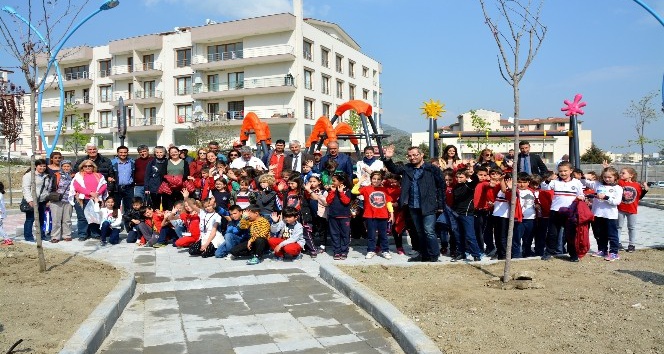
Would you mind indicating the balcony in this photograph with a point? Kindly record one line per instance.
(137, 124)
(242, 58)
(79, 103)
(70, 80)
(144, 70)
(138, 97)
(275, 116)
(255, 86)
(49, 129)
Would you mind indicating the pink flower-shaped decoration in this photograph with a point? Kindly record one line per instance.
(574, 108)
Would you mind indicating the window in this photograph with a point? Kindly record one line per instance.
(236, 80)
(338, 64)
(324, 57)
(183, 86)
(183, 57)
(340, 89)
(105, 93)
(325, 84)
(130, 64)
(148, 62)
(104, 68)
(307, 50)
(76, 73)
(365, 94)
(227, 51)
(149, 89)
(235, 110)
(69, 97)
(184, 112)
(149, 117)
(308, 109)
(375, 99)
(213, 108)
(86, 96)
(130, 90)
(351, 91)
(307, 79)
(326, 109)
(213, 83)
(351, 68)
(105, 119)
(365, 71)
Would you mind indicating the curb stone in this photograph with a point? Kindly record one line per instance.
(92, 332)
(409, 336)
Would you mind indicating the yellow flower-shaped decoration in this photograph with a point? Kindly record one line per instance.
(433, 109)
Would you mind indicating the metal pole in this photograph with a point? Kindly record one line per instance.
(431, 147)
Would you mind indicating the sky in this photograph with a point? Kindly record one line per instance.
(610, 51)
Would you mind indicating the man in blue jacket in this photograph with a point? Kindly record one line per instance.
(345, 164)
(422, 192)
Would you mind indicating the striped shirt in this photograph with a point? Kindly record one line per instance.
(564, 193)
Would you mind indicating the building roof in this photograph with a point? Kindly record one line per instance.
(322, 25)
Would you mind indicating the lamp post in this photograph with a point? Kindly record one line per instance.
(106, 5)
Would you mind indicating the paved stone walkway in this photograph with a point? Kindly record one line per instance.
(188, 304)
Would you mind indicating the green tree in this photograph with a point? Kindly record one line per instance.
(424, 147)
(355, 121)
(595, 155)
(81, 132)
(644, 112)
(220, 131)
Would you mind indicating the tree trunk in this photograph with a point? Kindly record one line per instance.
(510, 229)
(9, 177)
(33, 188)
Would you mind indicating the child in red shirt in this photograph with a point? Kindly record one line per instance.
(377, 211)
(393, 184)
(633, 192)
(191, 222)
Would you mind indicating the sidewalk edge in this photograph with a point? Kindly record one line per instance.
(94, 330)
(409, 336)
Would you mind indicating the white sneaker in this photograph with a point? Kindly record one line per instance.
(386, 255)
(370, 255)
(230, 257)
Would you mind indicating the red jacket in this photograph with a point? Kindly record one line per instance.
(579, 216)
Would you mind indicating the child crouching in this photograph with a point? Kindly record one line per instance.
(289, 233)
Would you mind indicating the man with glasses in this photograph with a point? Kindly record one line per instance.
(294, 160)
(345, 164)
(422, 192)
(124, 169)
(247, 158)
(140, 166)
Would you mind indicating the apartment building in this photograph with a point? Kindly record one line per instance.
(550, 148)
(286, 69)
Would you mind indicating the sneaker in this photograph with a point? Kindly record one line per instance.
(631, 248)
(620, 246)
(477, 259)
(400, 251)
(370, 255)
(230, 257)
(159, 245)
(461, 257)
(321, 248)
(255, 260)
(492, 253)
(337, 257)
(7, 242)
(600, 254)
(343, 257)
(386, 255)
(612, 257)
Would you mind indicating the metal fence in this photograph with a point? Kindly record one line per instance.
(654, 173)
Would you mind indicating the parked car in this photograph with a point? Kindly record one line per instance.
(660, 184)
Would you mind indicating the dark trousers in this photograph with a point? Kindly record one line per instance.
(412, 230)
(168, 200)
(319, 227)
(467, 239)
(481, 225)
(500, 226)
(167, 234)
(541, 229)
(426, 231)
(30, 221)
(606, 233)
(553, 236)
(155, 200)
(377, 226)
(522, 242)
(258, 248)
(112, 234)
(340, 234)
(84, 230)
(125, 195)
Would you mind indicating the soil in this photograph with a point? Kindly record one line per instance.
(589, 307)
(45, 309)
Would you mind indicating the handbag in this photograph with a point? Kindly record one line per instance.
(55, 197)
(25, 206)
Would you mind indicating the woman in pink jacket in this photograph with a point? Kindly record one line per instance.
(87, 184)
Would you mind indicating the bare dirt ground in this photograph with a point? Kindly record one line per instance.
(589, 307)
(45, 309)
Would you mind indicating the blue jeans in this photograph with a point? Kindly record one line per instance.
(84, 230)
(30, 221)
(525, 232)
(608, 238)
(467, 239)
(379, 225)
(167, 233)
(230, 240)
(112, 234)
(426, 232)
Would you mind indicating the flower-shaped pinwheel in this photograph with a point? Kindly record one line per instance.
(433, 109)
(574, 108)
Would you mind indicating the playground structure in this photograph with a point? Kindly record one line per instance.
(324, 130)
(253, 125)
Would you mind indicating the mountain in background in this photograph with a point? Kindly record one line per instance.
(395, 133)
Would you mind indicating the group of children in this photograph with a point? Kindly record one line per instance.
(478, 209)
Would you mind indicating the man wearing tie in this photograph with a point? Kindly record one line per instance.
(293, 162)
(529, 163)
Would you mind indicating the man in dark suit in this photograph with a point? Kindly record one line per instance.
(293, 162)
(532, 164)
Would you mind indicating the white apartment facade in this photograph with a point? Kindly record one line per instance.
(286, 69)
(550, 148)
